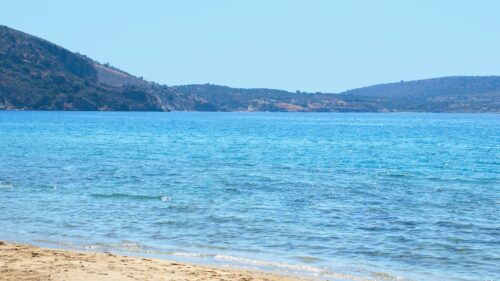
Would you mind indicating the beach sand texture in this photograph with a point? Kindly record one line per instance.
(26, 262)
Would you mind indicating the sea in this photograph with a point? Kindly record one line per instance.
(332, 196)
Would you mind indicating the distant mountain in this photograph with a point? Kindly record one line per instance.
(38, 75)
(447, 94)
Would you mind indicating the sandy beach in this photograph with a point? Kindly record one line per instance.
(26, 262)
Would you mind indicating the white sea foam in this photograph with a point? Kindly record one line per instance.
(128, 246)
(270, 263)
(125, 246)
(184, 254)
(293, 268)
(6, 185)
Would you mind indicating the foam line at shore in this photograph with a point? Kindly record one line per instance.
(26, 262)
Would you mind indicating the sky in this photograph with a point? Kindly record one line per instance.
(309, 45)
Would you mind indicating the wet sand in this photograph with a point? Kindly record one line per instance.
(26, 262)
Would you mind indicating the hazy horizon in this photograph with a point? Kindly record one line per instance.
(290, 45)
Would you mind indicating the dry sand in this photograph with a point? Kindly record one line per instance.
(25, 262)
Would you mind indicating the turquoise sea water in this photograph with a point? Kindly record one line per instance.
(337, 196)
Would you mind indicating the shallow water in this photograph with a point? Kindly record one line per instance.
(340, 196)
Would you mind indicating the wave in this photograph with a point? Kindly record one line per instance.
(309, 269)
(256, 262)
(4, 185)
(116, 195)
(192, 255)
(237, 262)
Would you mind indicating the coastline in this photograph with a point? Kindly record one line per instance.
(27, 262)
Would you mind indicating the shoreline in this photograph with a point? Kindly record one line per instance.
(28, 262)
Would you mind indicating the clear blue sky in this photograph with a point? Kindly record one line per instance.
(306, 45)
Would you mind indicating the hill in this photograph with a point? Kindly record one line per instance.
(446, 94)
(38, 75)
(223, 98)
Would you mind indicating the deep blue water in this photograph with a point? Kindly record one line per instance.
(382, 196)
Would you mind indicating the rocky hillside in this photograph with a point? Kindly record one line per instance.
(36, 74)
